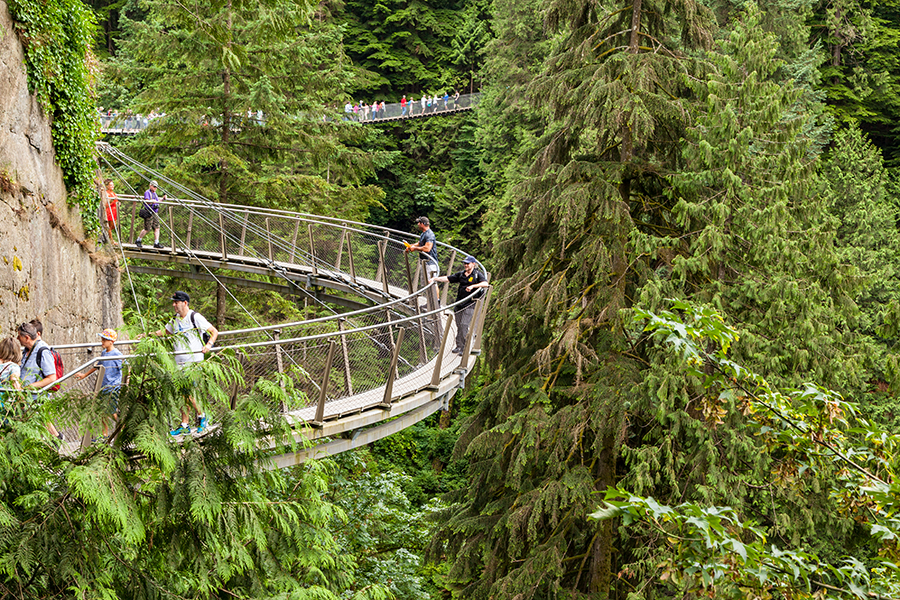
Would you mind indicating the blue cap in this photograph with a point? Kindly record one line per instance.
(469, 259)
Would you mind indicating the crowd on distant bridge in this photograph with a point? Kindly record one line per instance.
(360, 111)
(127, 121)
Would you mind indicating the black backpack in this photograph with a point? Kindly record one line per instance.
(204, 335)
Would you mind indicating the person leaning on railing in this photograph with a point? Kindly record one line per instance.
(470, 281)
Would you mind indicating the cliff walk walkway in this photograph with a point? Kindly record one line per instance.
(131, 124)
(379, 360)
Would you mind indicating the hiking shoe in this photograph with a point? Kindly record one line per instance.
(139, 243)
(181, 430)
(157, 245)
(201, 424)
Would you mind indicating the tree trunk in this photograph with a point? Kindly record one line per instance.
(220, 306)
(634, 42)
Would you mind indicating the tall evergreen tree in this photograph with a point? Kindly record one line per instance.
(546, 431)
(250, 93)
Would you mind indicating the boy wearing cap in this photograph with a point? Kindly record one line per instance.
(151, 220)
(112, 376)
(470, 280)
(188, 327)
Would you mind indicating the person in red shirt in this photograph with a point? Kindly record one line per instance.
(403, 106)
(112, 211)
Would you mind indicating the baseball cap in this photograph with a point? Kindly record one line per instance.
(180, 296)
(423, 220)
(469, 259)
(109, 334)
(154, 184)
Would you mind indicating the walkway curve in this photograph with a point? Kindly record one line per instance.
(364, 373)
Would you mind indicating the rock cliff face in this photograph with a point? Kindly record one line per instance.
(47, 267)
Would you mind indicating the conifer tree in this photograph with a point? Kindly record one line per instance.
(548, 427)
(144, 516)
(250, 93)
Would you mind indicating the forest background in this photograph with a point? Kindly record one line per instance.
(632, 165)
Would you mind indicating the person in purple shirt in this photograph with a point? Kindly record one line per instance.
(150, 214)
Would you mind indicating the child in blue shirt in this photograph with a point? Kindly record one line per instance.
(112, 377)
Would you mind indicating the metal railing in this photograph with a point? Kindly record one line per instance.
(341, 363)
(130, 124)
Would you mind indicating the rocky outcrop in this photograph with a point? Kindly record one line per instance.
(47, 267)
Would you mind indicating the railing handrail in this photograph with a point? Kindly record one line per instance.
(305, 217)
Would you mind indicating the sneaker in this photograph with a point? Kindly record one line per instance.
(456, 351)
(157, 245)
(201, 424)
(181, 430)
(138, 243)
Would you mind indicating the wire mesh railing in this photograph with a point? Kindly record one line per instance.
(341, 363)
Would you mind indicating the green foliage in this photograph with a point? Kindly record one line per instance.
(807, 432)
(245, 89)
(57, 37)
(404, 46)
(144, 516)
(383, 529)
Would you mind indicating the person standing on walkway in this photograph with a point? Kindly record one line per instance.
(38, 369)
(112, 375)
(189, 328)
(427, 245)
(150, 214)
(112, 212)
(403, 106)
(470, 281)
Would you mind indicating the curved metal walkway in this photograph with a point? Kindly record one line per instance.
(364, 373)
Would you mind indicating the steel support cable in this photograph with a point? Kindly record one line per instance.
(280, 270)
(213, 206)
(216, 279)
(122, 252)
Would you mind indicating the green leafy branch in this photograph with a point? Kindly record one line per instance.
(57, 35)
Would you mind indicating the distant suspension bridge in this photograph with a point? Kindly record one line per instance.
(130, 124)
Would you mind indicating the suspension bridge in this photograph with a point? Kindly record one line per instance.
(131, 124)
(378, 362)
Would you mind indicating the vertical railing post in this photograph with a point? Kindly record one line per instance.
(133, 217)
(382, 266)
(468, 346)
(172, 228)
(476, 348)
(448, 273)
(436, 376)
(241, 248)
(323, 389)
(423, 355)
(312, 250)
(417, 277)
(390, 330)
(409, 278)
(350, 258)
(269, 241)
(340, 251)
(379, 272)
(190, 230)
(279, 362)
(222, 236)
(348, 380)
(98, 387)
(392, 373)
(294, 240)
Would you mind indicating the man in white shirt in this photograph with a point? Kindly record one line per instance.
(188, 327)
